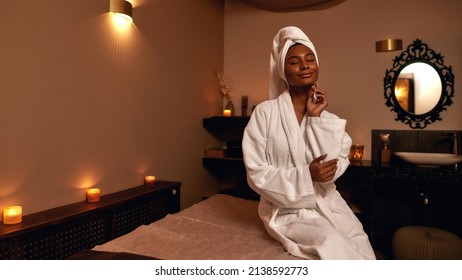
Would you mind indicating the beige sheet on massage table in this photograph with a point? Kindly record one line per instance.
(220, 227)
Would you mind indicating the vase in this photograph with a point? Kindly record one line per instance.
(244, 105)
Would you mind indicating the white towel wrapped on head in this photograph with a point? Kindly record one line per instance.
(284, 39)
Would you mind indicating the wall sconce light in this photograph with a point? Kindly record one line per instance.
(389, 45)
(121, 8)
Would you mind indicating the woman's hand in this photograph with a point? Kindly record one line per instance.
(323, 172)
(317, 101)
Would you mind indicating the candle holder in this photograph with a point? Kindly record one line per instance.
(12, 215)
(93, 195)
(150, 181)
(229, 109)
(356, 152)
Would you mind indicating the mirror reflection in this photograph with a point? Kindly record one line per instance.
(418, 88)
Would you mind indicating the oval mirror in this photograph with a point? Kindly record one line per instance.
(419, 86)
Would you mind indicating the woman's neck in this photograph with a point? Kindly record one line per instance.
(299, 96)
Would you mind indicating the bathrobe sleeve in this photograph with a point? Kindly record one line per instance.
(327, 135)
(281, 183)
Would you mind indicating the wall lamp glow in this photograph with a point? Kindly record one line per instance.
(389, 45)
(121, 8)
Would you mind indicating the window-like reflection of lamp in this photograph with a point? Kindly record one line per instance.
(121, 8)
(404, 91)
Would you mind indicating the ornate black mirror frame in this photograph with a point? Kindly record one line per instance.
(419, 52)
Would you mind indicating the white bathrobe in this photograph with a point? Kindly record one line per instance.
(310, 219)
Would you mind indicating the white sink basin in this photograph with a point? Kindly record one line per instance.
(429, 158)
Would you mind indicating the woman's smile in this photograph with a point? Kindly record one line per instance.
(305, 75)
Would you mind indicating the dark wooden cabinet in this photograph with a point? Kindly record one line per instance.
(384, 197)
(229, 130)
(63, 231)
(394, 196)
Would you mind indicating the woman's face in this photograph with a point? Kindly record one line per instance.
(300, 66)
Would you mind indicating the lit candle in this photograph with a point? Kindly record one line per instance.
(227, 112)
(150, 181)
(93, 195)
(12, 215)
(357, 152)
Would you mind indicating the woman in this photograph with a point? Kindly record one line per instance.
(294, 150)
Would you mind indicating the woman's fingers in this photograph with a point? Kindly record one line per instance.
(323, 172)
(327, 170)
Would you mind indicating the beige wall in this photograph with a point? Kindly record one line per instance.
(85, 105)
(350, 69)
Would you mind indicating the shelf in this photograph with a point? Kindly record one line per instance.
(230, 167)
(227, 122)
(214, 163)
(226, 128)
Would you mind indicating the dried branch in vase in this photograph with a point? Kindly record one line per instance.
(222, 85)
